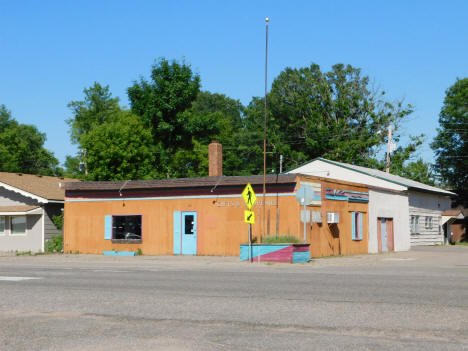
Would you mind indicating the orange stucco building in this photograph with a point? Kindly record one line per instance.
(205, 216)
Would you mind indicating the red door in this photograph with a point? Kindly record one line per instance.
(387, 232)
(379, 234)
(390, 239)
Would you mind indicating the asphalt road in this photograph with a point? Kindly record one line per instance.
(415, 300)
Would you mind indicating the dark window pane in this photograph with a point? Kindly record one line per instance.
(189, 224)
(126, 227)
(18, 225)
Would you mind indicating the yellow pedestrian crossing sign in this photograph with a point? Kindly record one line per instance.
(249, 196)
(249, 217)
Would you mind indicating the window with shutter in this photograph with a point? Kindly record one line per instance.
(356, 223)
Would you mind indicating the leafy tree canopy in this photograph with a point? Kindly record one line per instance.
(172, 89)
(97, 108)
(419, 171)
(211, 117)
(405, 164)
(119, 150)
(112, 141)
(160, 103)
(335, 114)
(22, 148)
(451, 143)
(72, 167)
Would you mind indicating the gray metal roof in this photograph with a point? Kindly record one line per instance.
(410, 184)
(182, 182)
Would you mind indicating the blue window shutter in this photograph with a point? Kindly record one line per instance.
(108, 227)
(360, 226)
(177, 232)
(353, 224)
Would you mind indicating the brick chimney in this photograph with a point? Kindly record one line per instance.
(215, 159)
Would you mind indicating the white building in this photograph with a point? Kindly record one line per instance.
(402, 212)
(28, 204)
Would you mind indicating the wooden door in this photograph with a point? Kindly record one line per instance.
(390, 236)
(379, 234)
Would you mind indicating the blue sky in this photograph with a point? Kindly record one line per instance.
(51, 50)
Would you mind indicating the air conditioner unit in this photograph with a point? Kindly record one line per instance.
(333, 217)
(316, 216)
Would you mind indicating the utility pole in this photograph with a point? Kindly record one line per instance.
(281, 164)
(264, 129)
(389, 147)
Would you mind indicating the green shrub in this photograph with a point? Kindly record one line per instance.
(55, 244)
(58, 221)
(281, 239)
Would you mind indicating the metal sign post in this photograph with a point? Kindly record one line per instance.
(304, 196)
(250, 242)
(249, 216)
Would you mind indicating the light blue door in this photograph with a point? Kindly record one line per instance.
(383, 230)
(189, 233)
(185, 233)
(177, 232)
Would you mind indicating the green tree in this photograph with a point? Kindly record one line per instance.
(451, 143)
(113, 142)
(211, 117)
(97, 108)
(22, 148)
(419, 171)
(402, 163)
(335, 114)
(119, 150)
(160, 103)
(72, 167)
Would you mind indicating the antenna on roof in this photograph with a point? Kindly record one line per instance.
(120, 190)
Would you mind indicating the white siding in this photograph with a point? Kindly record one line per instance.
(427, 205)
(389, 205)
(396, 205)
(31, 241)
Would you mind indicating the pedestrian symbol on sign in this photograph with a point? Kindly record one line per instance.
(249, 196)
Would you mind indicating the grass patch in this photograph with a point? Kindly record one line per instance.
(462, 243)
(281, 239)
(29, 253)
(24, 253)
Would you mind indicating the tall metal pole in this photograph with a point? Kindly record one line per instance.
(264, 127)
